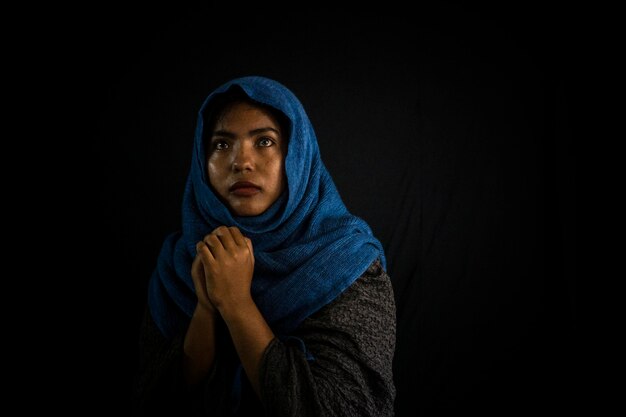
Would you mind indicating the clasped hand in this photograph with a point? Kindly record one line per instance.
(223, 267)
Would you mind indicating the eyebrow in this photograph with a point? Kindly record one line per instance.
(226, 133)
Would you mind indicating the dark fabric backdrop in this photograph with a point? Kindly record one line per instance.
(446, 128)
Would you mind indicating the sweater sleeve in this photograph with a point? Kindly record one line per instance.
(159, 386)
(339, 361)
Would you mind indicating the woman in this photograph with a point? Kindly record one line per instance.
(273, 299)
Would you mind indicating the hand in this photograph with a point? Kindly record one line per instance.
(227, 258)
(198, 275)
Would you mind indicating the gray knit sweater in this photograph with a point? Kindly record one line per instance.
(338, 362)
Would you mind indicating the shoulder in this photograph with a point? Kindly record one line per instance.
(373, 282)
(364, 315)
(375, 269)
(371, 292)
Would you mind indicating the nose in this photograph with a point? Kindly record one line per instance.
(243, 158)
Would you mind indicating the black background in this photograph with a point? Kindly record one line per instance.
(445, 127)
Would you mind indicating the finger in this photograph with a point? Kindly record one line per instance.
(249, 244)
(226, 238)
(214, 245)
(250, 248)
(197, 275)
(202, 250)
(238, 237)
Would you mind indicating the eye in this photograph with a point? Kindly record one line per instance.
(219, 145)
(265, 142)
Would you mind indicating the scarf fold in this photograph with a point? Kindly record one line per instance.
(308, 248)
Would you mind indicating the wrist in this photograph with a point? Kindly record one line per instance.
(238, 309)
(204, 310)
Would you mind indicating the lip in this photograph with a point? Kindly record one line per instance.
(244, 188)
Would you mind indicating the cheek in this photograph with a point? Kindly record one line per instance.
(280, 174)
(213, 171)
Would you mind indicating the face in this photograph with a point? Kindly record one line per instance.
(246, 159)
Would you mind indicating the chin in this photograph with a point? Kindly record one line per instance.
(247, 211)
(247, 214)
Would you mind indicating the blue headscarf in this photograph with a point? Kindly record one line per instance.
(307, 247)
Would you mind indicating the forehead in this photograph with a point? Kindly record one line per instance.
(241, 111)
(250, 119)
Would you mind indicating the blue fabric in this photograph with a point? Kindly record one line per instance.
(308, 248)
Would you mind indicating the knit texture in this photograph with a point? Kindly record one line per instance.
(308, 248)
(352, 340)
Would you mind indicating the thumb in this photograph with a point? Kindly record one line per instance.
(249, 244)
(197, 272)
